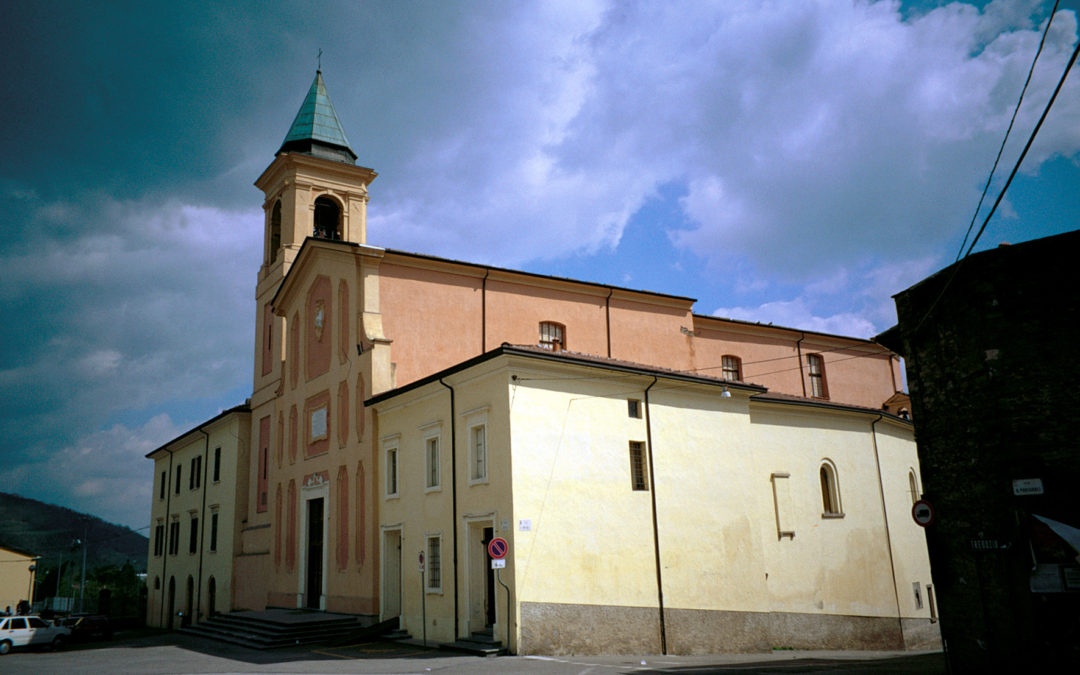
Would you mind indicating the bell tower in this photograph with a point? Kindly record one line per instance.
(313, 188)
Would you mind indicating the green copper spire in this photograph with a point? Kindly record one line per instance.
(316, 130)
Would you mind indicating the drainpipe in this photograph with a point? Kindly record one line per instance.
(798, 348)
(607, 318)
(168, 522)
(202, 522)
(885, 517)
(655, 526)
(483, 313)
(453, 499)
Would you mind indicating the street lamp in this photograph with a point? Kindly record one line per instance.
(30, 590)
(82, 584)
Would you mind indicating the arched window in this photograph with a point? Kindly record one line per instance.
(731, 368)
(327, 219)
(552, 336)
(819, 388)
(830, 490)
(275, 230)
(913, 485)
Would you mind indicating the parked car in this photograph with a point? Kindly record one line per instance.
(24, 631)
(89, 627)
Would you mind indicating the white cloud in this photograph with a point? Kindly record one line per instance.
(807, 134)
(797, 314)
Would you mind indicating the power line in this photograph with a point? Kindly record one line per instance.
(1001, 195)
(1016, 110)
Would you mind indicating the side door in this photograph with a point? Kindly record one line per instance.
(41, 632)
(17, 632)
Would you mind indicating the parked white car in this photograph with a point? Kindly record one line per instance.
(23, 631)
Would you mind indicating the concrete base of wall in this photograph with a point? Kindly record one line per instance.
(563, 629)
(558, 629)
(922, 634)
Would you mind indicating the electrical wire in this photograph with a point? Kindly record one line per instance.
(1001, 195)
(1016, 110)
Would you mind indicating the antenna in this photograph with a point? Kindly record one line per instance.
(318, 61)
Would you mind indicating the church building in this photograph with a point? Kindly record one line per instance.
(665, 481)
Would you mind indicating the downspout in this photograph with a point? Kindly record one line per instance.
(655, 526)
(607, 318)
(798, 348)
(885, 517)
(483, 314)
(202, 520)
(165, 551)
(453, 499)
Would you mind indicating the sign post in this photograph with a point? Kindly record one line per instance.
(497, 549)
(423, 597)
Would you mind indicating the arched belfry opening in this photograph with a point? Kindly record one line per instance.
(275, 231)
(327, 219)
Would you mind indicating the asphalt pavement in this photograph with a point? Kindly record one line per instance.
(162, 653)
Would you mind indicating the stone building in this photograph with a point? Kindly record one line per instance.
(987, 343)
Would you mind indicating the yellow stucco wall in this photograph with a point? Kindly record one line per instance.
(15, 577)
(559, 490)
(231, 434)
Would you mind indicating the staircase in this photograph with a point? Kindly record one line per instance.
(276, 628)
(480, 643)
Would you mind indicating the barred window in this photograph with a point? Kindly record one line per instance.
(637, 466)
(552, 336)
(434, 563)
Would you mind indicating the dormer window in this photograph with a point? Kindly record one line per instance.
(552, 336)
(327, 219)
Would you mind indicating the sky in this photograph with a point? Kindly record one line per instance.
(788, 162)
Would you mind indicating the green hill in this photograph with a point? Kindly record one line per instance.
(34, 527)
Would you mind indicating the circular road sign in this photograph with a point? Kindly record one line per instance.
(497, 548)
(922, 512)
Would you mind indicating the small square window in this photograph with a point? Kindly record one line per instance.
(633, 407)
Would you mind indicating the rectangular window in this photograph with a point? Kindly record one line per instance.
(164, 485)
(174, 537)
(391, 472)
(159, 539)
(478, 452)
(916, 588)
(263, 477)
(818, 386)
(432, 455)
(434, 564)
(217, 464)
(633, 407)
(213, 531)
(193, 539)
(637, 466)
(552, 336)
(195, 479)
(731, 368)
(178, 472)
